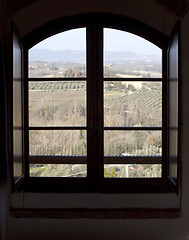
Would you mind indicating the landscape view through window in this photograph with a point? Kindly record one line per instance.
(132, 99)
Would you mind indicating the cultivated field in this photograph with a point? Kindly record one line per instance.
(63, 103)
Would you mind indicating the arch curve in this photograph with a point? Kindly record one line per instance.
(99, 19)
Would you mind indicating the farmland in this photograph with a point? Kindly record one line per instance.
(63, 103)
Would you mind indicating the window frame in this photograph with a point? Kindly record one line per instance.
(96, 22)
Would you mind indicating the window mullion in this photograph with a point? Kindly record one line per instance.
(100, 106)
(164, 117)
(91, 107)
(26, 111)
(95, 104)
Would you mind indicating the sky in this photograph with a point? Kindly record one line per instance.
(114, 40)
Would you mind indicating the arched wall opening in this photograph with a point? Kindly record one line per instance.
(42, 12)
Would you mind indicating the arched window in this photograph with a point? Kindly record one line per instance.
(96, 108)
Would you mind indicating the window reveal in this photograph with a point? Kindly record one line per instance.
(102, 130)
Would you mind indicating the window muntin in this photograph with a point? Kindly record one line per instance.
(94, 130)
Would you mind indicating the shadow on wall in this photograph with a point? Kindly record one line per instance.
(4, 190)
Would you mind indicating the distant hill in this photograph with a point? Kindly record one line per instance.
(69, 56)
(64, 56)
(123, 57)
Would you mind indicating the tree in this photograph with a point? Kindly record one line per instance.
(131, 87)
(111, 174)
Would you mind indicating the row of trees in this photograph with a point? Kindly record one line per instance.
(56, 69)
(138, 107)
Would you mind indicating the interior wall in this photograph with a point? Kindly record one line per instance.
(43, 11)
(185, 115)
(4, 189)
(46, 10)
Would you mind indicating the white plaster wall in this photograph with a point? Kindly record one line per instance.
(4, 191)
(149, 229)
(47, 10)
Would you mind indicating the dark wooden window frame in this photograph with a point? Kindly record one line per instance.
(95, 182)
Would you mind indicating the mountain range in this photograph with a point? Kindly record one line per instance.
(70, 56)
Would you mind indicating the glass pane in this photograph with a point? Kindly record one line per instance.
(132, 143)
(59, 103)
(58, 142)
(128, 104)
(58, 170)
(129, 56)
(132, 170)
(62, 55)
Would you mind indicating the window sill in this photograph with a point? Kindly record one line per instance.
(108, 186)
